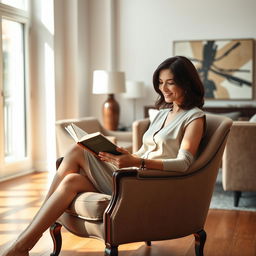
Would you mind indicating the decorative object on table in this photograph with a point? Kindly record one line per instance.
(225, 66)
(134, 91)
(110, 83)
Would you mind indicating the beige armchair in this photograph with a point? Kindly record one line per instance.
(239, 159)
(90, 125)
(151, 205)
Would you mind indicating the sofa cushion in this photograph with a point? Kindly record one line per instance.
(232, 115)
(89, 205)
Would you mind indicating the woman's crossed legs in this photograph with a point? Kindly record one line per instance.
(66, 184)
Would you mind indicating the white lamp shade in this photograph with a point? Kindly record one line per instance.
(108, 82)
(134, 90)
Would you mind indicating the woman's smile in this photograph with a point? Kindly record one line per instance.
(170, 91)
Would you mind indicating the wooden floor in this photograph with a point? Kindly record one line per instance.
(230, 233)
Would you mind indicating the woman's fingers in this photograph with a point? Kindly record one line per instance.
(118, 160)
(122, 150)
(104, 156)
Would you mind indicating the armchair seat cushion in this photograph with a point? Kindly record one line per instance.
(89, 205)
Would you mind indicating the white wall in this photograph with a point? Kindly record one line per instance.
(42, 84)
(102, 47)
(147, 29)
(133, 36)
(83, 35)
(71, 58)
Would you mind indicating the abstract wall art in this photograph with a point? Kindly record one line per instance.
(225, 66)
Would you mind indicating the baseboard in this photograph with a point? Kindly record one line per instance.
(16, 175)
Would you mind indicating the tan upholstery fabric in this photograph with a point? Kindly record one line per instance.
(89, 205)
(90, 125)
(82, 227)
(239, 159)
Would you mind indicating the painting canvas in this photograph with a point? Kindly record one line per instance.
(225, 66)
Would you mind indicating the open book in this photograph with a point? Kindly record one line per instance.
(93, 142)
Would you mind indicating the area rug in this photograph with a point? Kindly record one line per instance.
(225, 199)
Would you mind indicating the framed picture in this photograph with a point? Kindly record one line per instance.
(225, 66)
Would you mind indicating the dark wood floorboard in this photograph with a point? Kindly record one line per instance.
(229, 233)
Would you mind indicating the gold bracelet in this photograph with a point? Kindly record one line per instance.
(143, 164)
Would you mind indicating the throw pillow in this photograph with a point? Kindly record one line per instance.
(152, 114)
(253, 118)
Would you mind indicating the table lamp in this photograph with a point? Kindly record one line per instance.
(110, 83)
(134, 90)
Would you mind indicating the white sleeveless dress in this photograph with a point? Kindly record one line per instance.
(158, 143)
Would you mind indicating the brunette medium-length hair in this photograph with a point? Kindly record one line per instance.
(185, 76)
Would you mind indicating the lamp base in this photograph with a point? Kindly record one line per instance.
(111, 113)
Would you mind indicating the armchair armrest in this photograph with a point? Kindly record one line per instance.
(122, 138)
(119, 135)
(145, 202)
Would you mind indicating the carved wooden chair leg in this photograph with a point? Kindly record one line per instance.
(200, 238)
(56, 237)
(148, 243)
(111, 250)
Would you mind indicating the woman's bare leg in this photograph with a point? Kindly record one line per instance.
(66, 184)
(71, 163)
(52, 209)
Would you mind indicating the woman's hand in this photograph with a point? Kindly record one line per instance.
(126, 159)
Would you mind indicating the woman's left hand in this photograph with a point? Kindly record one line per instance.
(126, 159)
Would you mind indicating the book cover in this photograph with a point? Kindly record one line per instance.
(93, 142)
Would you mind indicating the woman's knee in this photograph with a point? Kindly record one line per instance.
(74, 151)
(72, 161)
(70, 181)
(76, 183)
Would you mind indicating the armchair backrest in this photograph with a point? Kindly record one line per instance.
(217, 128)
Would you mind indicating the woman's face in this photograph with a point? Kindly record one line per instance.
(170, 91)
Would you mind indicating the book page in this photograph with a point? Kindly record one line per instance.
(78, 131)
(72, 133)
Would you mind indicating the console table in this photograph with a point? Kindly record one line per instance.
(246, 111)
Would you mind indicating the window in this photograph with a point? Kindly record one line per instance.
(14, 88)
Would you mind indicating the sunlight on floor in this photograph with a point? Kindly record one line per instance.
(24, 214)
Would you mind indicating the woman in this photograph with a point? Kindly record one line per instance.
(170, 143)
